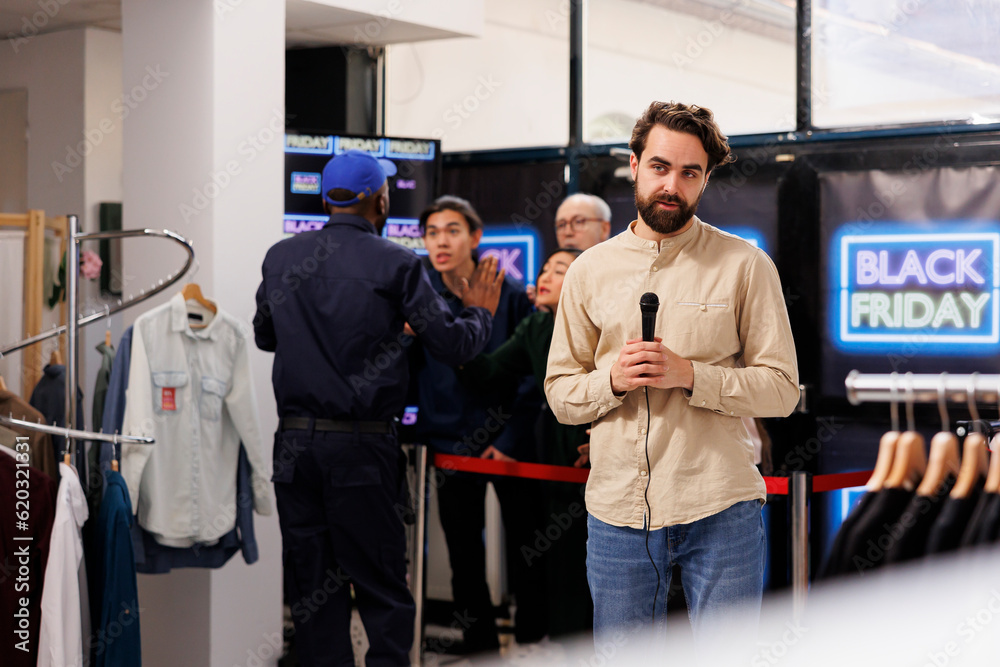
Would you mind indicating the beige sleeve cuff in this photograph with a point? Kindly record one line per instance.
(706, 392)
(600, 392)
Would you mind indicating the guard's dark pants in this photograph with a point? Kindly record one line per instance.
(462, 507)
(340, 501)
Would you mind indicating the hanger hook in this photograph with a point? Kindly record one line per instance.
(971, 395)
(894, 400)
(910, 422)
(942, 397)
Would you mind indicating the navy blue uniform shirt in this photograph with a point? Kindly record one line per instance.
(331, 307)
(454, 420)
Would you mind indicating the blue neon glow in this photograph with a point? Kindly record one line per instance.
(405, 155)
(754, 236)
(940, 290)
(296, 223)
(305, 182)
(374, 147)
(326, 149)
(516, 249)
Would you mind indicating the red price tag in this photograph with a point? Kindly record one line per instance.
(169, 402)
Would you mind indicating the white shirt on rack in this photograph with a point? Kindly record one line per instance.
(191, 390)
(64, 637)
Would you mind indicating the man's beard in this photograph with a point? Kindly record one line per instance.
(659, 220)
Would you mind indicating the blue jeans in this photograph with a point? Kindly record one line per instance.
(722, 564)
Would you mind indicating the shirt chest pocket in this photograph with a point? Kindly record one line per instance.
(168, 391)
(706, 329)
(213, 393)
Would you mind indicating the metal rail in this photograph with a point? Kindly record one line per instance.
(107, 312)
(922, 388)
(77, 434)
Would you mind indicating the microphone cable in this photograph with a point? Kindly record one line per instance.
(649, 510)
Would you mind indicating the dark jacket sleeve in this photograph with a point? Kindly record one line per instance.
(520, 309)
(263, 324)
(450, 339)
(510, 360)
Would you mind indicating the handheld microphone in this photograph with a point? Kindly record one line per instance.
(648, 304)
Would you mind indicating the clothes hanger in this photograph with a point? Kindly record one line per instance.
(887, 444)
(114, 457)
(3, 385)
(943, 461)
(55, 359)
(993, 477)
(193, 291)
(909, 462)
(107, 320)
(66, 457)
(974, 465)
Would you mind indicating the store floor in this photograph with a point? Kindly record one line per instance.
(442, 647)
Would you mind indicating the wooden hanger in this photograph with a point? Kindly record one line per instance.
(107, 325)
(909, 462)
(887, 443)
(3, 385)
(974, 465)
(883, 464)
(55, 359)
(944, 459)
(993, 477)
(943, 462)
(193, 291)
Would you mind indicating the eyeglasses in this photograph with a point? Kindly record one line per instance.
(578, 223)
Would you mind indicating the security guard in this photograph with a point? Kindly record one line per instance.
(332, 307)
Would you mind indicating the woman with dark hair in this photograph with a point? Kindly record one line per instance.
(570, 609)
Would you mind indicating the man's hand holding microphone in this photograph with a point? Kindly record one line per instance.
(646, 362)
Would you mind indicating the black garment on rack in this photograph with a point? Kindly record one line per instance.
(49, 398)
(984, 526)
(832, 566)
(916, 521)
(18, 650)
(946, 535)
(875, 532)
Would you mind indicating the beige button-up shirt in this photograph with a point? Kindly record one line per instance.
(721, 306)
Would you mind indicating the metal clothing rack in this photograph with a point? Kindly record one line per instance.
(73, 433)
(75, 322)
(921, 388)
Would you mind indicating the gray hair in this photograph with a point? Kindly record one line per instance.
(599, 205)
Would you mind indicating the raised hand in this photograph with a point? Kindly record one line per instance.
(484, 288)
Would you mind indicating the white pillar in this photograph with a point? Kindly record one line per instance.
(203, 156)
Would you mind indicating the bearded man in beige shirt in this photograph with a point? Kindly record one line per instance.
(673, 480)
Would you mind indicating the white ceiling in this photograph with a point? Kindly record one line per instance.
(306, 23)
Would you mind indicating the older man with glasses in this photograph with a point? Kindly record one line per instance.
(582, 221)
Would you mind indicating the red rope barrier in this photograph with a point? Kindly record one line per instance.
(775, 485)
(844, 480)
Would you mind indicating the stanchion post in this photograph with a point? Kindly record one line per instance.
(799, 491)
(417, 581)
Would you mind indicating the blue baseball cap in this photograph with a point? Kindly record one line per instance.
(357, 172)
